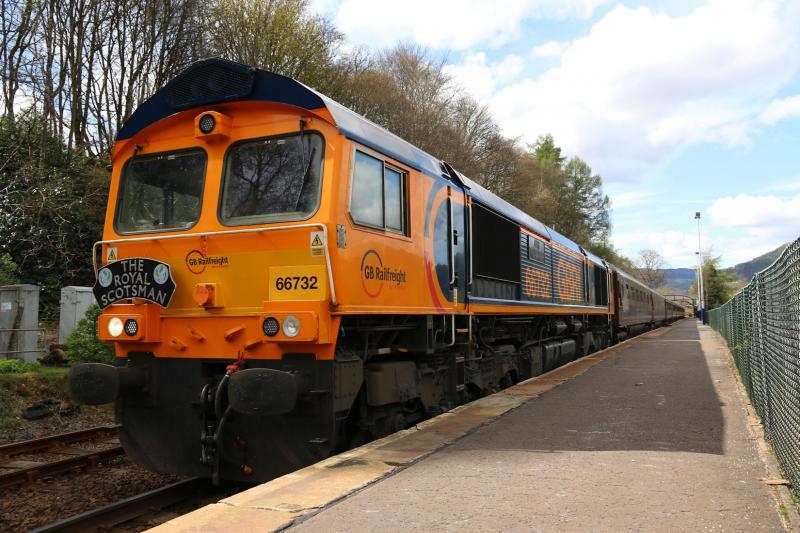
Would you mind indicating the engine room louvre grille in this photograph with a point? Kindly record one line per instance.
(497, 246)
(209, 83)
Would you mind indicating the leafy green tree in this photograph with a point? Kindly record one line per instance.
(583, 208)
(564, 194)
(547, 153)
(83, 346)
(718, 284)
(52, 205)
(8, 270)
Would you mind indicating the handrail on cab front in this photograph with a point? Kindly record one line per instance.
(229, 232)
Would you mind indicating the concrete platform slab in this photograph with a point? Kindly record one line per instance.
(652, 437)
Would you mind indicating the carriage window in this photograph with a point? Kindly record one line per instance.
(271, 179)
(161, 192)
(378, 194)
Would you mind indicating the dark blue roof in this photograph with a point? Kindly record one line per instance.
(496, 203)
(357, 128)
(219, 80)
(595, 259)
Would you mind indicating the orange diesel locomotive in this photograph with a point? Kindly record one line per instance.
(283, 279)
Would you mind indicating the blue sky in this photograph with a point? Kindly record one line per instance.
(680, 105)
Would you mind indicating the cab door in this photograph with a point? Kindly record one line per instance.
(457, 246)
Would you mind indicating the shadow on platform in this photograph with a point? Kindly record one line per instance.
(656, 394)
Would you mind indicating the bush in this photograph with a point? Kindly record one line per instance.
(16, 366)
(8, 271)
(83, 346)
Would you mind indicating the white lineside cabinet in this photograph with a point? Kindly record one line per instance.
(74, 303)
(19, 322)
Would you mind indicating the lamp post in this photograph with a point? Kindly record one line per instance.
(700, 288)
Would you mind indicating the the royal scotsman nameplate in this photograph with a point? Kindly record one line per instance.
(136, 277)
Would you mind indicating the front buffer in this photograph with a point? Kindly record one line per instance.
(249, 421)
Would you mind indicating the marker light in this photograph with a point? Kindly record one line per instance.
(291, 326)
(207, 123)
(131, 327)
(115, 327)
(270, 326)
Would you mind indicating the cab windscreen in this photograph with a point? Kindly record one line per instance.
(271, 179)
(161, 192)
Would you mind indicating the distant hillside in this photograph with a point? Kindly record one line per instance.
(748, 269)
(680, 278)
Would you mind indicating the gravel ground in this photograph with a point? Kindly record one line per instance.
(24, 508)
(88, 417)
(49, 500)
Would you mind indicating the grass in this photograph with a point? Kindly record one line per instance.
(23, 386)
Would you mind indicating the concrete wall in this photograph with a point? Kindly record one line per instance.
(74, 303)
(19, 322)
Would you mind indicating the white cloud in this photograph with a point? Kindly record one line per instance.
(763, 214)
(781, 109)
(677, 247)
(738, 228)
(789, 186)
(451, 24)
(509, 68)
(643, 84)
(628, 198)
(324, 7)
(754, 225)
(481, 78)
(549, 49)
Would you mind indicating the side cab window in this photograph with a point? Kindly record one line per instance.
(378, 194)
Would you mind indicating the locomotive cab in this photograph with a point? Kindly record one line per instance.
(215, 281)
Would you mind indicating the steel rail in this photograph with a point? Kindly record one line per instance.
(55, 441)
(130, 508)
(84, 459)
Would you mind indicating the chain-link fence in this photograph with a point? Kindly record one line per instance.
(762, 326)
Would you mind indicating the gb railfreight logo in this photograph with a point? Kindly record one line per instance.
(197, 261)
(374, 275)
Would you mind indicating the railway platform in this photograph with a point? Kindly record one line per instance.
(653, 434)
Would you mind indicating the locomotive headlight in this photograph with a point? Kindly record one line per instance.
(115, 327)
(207, 123)
(291, 326)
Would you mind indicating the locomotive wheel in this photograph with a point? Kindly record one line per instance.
(397, 423)
(358, 438)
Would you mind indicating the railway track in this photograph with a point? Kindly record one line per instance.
(15, 471)
(144, 504)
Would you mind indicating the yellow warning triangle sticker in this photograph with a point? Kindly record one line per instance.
(317, 241)
(112, 255)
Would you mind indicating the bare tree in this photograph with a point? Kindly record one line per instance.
(73, 71)
(650, 267)
(276, 35)
(18, 22)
